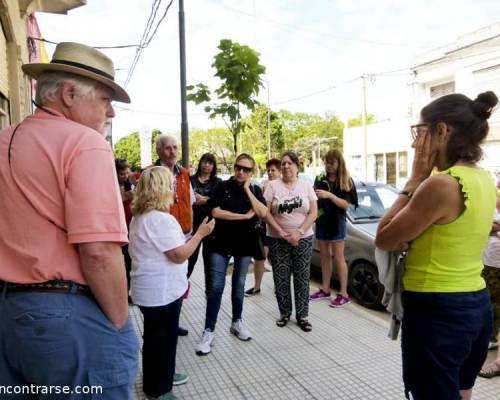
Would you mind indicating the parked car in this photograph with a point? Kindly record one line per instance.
(363, 284)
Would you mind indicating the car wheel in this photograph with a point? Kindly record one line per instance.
(365, 286)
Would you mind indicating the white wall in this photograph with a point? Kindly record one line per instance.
(382, 138)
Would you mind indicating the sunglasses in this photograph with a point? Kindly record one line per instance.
(246, 170)
(417, 129)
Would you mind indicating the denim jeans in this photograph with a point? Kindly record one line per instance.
(64, 339)
(218, 267)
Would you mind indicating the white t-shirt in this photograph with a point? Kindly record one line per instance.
(155, 280)
(289, 206)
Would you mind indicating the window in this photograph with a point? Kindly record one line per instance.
(379, 168)
(488, 79)
(390, 169)
(403, 164)
(4, 112)
(442, 90)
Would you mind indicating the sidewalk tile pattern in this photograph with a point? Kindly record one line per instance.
(347, 356)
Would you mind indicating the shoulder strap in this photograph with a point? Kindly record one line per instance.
(19, 188)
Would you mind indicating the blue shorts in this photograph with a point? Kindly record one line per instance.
(322, 232)
(444, 342)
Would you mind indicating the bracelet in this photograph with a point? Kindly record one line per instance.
(406, 193)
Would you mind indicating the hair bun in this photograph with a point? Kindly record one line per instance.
(484, 104)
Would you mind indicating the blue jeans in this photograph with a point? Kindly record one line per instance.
(64, 339)
(218, 268)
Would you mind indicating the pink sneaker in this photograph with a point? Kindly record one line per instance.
(319, 295)
(340, 301)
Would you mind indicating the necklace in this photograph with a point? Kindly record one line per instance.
(290, 186)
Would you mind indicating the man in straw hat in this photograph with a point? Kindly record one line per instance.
(63, 292)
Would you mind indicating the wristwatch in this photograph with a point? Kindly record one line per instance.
(301, 231)
(406, 193)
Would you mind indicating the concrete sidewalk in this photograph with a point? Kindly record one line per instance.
(346, 356)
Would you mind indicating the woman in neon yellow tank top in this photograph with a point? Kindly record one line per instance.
(443, 220)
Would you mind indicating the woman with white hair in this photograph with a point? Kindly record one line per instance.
(159, 254)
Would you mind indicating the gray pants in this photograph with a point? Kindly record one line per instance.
(288, 260)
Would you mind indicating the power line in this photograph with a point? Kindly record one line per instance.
(124, 46)
(298, 29)
(315, 93)
(147, 37)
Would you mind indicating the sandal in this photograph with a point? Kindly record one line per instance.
(282, 321)
(304, 324)
(490, 371)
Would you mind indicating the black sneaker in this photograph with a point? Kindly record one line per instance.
(252, 292)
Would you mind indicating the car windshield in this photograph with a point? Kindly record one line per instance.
(373, 202)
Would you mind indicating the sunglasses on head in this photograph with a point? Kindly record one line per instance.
(246, 170)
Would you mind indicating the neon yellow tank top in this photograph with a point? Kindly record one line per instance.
(448, 258)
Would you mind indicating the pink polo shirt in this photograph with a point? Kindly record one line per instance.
(66, 172)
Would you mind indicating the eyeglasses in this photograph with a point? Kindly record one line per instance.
(246, 170)
(417, 129)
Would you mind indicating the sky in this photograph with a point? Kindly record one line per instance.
(314, 51)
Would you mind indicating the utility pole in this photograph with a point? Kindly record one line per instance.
(365, 134)
(268, 124)
(184, 122)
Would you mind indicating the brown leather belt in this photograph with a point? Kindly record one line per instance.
(50, 286)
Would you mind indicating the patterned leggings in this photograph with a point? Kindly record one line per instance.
(287, 260)
(492, 277)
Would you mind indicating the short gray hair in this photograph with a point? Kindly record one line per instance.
(49, 83)
(161, 138)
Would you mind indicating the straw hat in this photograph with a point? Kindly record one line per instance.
(80, 60)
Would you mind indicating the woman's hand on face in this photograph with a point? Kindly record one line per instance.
(323, 194)
(424, 159)
(248, 182)
(206, 227)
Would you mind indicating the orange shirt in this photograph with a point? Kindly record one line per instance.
(66, 172)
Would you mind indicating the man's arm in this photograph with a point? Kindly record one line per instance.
(104, 270)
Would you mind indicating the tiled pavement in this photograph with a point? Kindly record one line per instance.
(347, 355)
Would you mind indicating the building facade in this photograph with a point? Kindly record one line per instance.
(470, 65)
(17, 47)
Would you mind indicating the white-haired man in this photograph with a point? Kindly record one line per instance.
(167, 149)
(63, 304)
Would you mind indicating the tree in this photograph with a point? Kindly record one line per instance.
(255, 134)
(217, 141)
(129, 147)
(238, 68)
(154, 136)
(358, 121)
(305, 133)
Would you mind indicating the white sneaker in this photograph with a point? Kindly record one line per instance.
(205, 345)
(240, 329)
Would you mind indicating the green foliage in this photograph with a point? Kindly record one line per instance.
(358, 121)
(129, 147)
(305, 133)
(238, 68)
(217, 141)
(301, 132)
(154, 135)
(255, 135)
